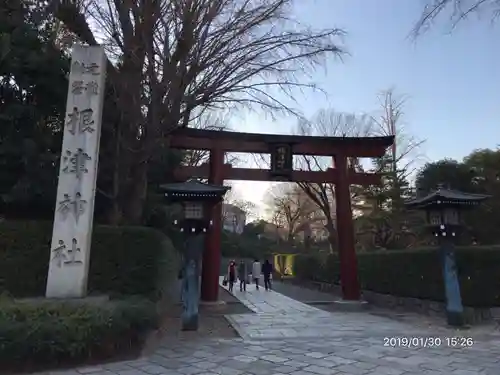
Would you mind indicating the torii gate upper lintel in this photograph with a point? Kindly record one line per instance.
(282, 148)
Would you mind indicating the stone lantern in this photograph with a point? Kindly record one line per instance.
(443, 208)
(197, 200)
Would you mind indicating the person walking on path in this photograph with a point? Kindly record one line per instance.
(256, 271)
(243, 276)
(231, 275)
(267, 270)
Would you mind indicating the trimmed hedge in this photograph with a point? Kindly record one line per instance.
(134, 266)
(415, 273)
(40, 333)
(123, 260)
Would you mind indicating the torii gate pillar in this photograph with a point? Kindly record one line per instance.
(345, 232)
(210, 268)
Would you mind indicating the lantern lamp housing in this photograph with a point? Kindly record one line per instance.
(197, 199)
(193, 210)
(443, 209)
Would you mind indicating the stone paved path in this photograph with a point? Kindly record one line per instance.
(284, 336)
(303, 294)
(278, 316)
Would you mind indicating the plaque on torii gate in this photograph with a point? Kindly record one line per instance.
(281, 162)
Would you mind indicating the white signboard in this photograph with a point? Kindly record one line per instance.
(74, 211)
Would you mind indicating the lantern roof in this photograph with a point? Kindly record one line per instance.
(449, 197)
(193, 189)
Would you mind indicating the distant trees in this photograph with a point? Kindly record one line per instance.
(33, 87)
(232, 198)
(381, 218)
(290, 209)
(385, 222)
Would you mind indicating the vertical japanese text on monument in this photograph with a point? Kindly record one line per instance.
(79, 87)
(64, 256)
(75, 162)
(81, 121)
(75, 206)
(82, 68)
(72, 227)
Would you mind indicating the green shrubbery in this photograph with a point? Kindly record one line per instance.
(134, 266)
(48, 332)
(415, 273)
(123, 261)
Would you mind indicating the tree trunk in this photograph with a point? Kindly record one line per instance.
(132, 153)
(129, 179)
(114, 215)
(136, 190)
(332, 235)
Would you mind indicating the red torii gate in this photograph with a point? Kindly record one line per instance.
(282, 148)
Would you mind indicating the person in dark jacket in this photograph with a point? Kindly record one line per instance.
(231, 275)
(267, 270)
(243, 276)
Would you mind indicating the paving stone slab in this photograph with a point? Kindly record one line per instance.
(284, 336)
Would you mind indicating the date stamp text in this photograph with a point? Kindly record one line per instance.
(428, 342)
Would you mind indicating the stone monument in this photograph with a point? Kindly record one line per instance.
(74, 211)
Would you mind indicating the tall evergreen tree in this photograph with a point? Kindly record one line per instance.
(33, 84)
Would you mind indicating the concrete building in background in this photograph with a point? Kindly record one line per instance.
(233, 218)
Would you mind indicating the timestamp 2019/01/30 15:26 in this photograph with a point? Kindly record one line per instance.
(428, 342)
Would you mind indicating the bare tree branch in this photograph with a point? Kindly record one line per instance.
(232, 203)
(208, 121)
(215, 53)
(458, 10)
(290, 209)
(406, 148)
(172, 60)
(329, 123)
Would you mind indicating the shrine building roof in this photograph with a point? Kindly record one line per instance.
(447, 197)
(193, 188)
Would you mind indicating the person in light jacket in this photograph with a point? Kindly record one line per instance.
(256, 271)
